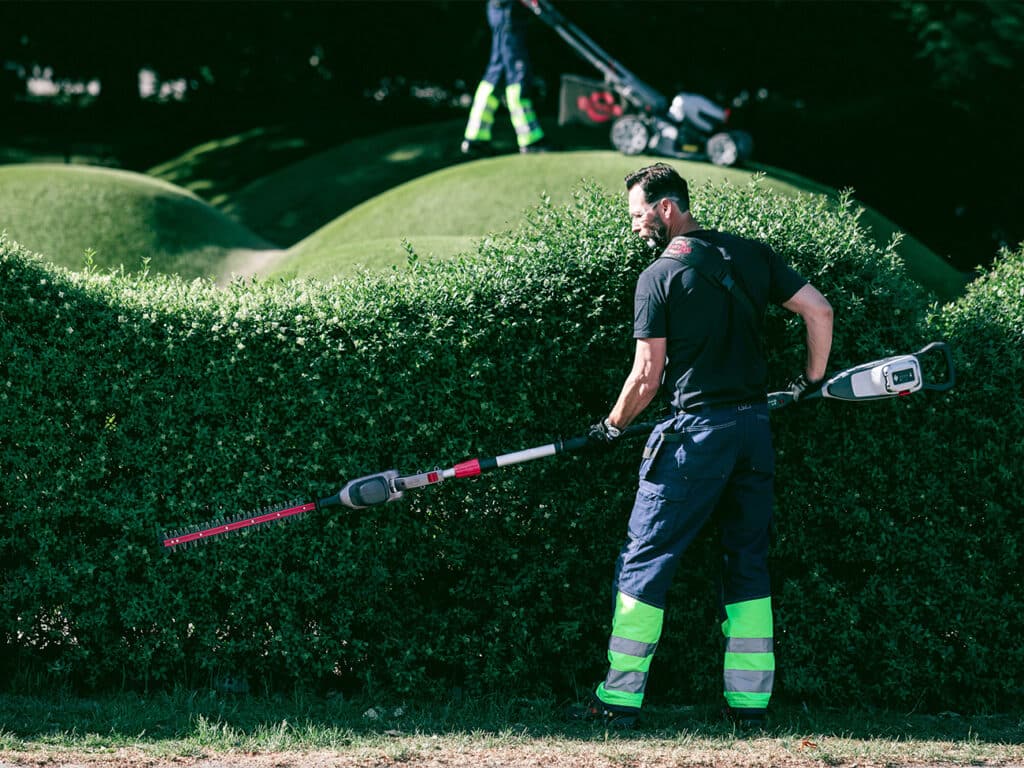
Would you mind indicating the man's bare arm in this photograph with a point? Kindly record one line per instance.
(817, 316)
(642, 384)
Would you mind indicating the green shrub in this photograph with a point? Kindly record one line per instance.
(128, 404)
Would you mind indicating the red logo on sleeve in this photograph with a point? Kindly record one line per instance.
(678, 246)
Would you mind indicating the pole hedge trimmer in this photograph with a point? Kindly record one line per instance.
(889, 377)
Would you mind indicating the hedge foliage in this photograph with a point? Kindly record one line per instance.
(130, 403)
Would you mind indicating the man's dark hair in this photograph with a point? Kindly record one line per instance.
(659, 181)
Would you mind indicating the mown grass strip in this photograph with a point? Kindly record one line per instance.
(194, 724)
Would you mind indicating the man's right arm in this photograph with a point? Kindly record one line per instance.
(817, 316)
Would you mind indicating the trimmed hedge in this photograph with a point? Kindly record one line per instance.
(129, 403)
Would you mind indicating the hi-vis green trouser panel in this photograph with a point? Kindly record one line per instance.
(524, 119)
(636, 629)
(749, 654)
(481, 114)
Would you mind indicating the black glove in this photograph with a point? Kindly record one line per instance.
(602, 434)
(801, 386)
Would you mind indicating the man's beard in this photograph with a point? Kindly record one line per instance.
(659, 236)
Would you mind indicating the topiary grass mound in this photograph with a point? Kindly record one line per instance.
(131, 404)
(123, 219)
(441, 211)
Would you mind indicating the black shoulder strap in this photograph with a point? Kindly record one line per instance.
(713, 264)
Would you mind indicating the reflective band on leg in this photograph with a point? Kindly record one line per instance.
(524, 119)
(627, 682)
(631, 647)
(748, 645)
(636, 629)
(749, 664)
(748, 681)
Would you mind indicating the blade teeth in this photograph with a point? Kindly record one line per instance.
(222, 521)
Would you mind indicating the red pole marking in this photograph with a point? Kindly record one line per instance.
(238, 525)
(468, 468)
(432, 477)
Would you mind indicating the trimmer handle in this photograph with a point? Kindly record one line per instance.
(943, 386)
(576, 443)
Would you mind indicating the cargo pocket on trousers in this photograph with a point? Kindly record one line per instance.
(661, 498)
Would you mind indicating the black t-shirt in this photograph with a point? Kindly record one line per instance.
(714, 347)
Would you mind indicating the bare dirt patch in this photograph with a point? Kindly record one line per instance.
(614, 753)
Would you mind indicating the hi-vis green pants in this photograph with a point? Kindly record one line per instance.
(718, 463)
(485, 105)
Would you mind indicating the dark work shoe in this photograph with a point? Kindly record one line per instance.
(476, 149)
(597, 712)
(746, 720)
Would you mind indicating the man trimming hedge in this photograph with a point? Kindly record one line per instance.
(698, 320)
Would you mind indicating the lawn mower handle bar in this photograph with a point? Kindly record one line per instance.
(640, 94)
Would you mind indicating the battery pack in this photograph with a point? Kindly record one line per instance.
(884, 378)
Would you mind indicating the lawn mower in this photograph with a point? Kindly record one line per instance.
(643, 120)
(890, 377)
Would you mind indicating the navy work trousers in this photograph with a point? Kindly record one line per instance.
(717, 462)
(509, 57)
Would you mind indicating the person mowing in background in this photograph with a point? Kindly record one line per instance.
(699, 324)
(510, 63)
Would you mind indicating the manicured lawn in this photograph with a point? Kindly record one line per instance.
(164, 729)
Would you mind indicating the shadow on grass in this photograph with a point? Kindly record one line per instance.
(289, 204)
(215, 170)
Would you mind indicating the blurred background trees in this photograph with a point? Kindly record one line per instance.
(913, 104)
